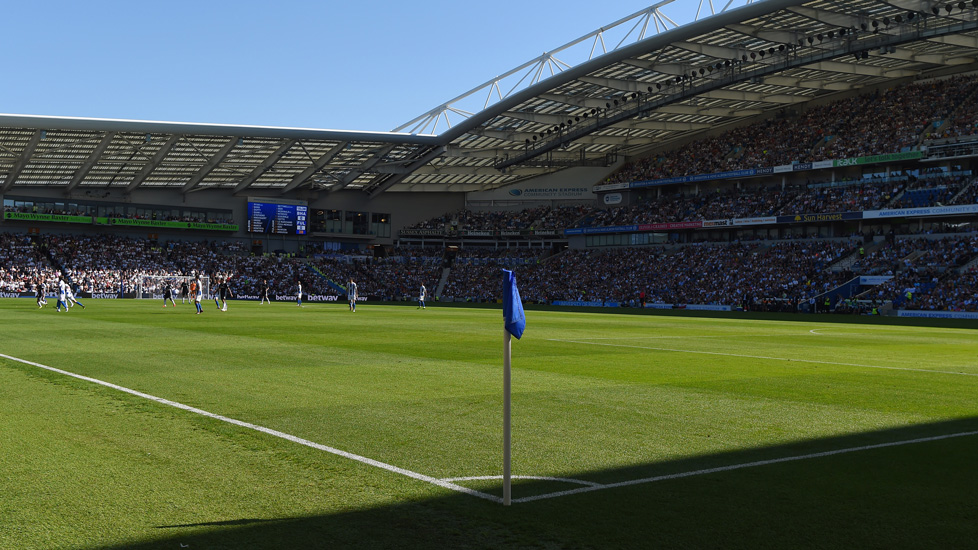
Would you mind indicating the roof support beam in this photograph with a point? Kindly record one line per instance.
(264, 166)
(934, 59)
(737, 95)
(574, 101)
(542, 118)
(25, 157)
(671, 69)
(777, 37)
(82, 172)
(827, 17)
(860, 69)
(210, 165)
(362, 169)
(710, 50)
(791, 82)
(675, 109)
(153, 163)
(316, 166)
(957, 40)
(418, 164)
(618, 84)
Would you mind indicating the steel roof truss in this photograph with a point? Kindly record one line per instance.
(211, 163)
(417, 164)
(153, 163)
(362, 169)
(316, 166)
(264, 166)
(22, 161)
(83, 171)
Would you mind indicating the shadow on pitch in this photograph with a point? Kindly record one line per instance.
(918, 495)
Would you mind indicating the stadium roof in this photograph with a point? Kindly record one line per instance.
(640, 83)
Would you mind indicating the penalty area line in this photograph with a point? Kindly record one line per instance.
(275, 433)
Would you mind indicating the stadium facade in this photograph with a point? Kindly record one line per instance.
(550, 132)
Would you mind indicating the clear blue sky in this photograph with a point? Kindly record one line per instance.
(338, 65)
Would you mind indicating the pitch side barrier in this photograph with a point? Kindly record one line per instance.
(155, 296)
(82, 295)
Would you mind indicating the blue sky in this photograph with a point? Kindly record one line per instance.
(355, 66)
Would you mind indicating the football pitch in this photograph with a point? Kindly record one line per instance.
(127, 425)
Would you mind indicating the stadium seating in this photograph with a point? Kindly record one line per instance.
(883, 122)
(756, 275)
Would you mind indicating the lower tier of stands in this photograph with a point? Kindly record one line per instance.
(927, 272)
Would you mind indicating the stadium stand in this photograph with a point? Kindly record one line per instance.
(870, 124)
(782, 275)
(917, 264)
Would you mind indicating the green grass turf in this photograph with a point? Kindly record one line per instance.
(597, 397)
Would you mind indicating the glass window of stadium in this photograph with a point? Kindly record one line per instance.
(357, 222)
(380, 225)
(327, 221)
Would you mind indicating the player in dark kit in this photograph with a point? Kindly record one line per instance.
(264, 292)
(40, 290)
(168, 294)
(224, 291)
(184, 291)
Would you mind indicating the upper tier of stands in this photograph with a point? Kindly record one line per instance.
(895, 191)
(883, 122)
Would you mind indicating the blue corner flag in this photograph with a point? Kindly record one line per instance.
(513, 316)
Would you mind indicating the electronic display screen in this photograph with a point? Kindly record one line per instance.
(278, 219)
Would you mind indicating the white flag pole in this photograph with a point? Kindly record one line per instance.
(507, 383)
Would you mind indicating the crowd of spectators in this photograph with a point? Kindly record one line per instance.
(755, 275)
(926, 273)
(475, 272)
(961, 122)
(871, 193)
(887, 121)
(22, 264)
(953, 292)
(902, 254)
(391, 278)
(693, 274)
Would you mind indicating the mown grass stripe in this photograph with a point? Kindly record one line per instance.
(268, 431)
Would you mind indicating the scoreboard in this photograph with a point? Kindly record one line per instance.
(277, 218)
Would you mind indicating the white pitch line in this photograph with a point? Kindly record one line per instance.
(764, 357)
(448, 483)
(741, 466)
(685, 337)
(269, 431)
(535, 478)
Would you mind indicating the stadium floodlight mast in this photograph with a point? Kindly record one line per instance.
(626, 31)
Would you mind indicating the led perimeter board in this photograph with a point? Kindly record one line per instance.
(277, 218)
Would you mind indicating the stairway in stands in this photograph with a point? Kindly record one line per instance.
(445, 272)
(341, 290)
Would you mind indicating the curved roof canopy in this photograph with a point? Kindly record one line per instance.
(638, 84)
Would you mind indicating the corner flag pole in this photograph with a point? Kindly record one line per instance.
(507, 424)
(514, 325)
